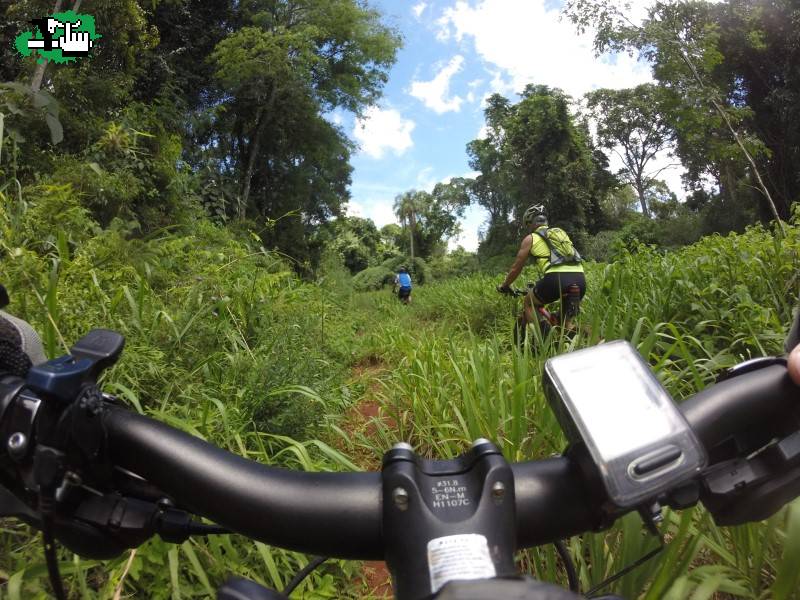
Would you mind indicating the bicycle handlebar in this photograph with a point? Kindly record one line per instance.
(340, 514)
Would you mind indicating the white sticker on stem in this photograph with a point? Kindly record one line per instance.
(459, 557)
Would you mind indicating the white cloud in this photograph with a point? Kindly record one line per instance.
(418, 8)
(380, 211)
(354, 209)
(381, 130)
(426, 180)
(524, 41)
(434, 93)
(474, 218)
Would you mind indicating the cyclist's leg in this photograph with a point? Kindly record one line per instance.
(545, 291)
(568, 280)
(532, 302)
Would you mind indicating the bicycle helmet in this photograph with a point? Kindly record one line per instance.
(534, 215)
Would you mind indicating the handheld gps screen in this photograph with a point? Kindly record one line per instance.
(607, 398)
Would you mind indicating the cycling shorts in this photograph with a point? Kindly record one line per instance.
(550, 287)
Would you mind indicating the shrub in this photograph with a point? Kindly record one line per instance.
(373, 278)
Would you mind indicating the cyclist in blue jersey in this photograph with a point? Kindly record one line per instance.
(402, 283)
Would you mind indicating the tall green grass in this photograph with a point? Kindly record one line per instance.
(691, 313)
(224, 342)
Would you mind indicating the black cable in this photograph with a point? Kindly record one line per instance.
(627, 569)
(569, 566)
(303, 573)
(51, 559)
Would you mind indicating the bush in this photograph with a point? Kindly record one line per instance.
(601, 247)
(374, 278)
(456, 264)
(420, 272)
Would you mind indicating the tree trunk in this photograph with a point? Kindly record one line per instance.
(38, 74)
(263, 117)
(251, 163)
(412, 227)
(640, 191)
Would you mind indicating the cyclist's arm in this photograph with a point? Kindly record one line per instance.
(519, 262)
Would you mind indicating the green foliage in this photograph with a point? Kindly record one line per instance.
(21, 103)
(174, 98)
(430, 219)
(355, 239)
(536, 152)
(277, 69)
(456, 263)
(375, 278)
(712, 62)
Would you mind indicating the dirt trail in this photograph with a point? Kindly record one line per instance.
(360, 420)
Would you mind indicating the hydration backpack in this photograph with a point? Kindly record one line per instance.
(562, 252)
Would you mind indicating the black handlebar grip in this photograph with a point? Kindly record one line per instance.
(553, 501)
(330, 514)
(734, 405)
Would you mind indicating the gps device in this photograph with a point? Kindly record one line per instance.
(607, 398)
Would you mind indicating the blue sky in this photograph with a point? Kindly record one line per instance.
(455, 54)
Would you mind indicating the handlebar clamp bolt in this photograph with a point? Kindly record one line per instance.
(498, 491)
(17, 444)
(400, 497)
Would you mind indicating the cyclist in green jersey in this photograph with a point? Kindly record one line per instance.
(555, 257)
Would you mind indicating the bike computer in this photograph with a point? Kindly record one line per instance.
(607, 398)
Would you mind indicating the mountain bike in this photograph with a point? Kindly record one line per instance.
(547, 321)
(99, 478)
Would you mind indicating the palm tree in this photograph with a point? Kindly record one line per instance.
(406, 206)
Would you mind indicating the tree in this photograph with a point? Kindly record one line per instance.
(357, 240)
(761, 49)
(331, 53)
(391, 240)
(619, 206)
(681, 40)
(536, 151)
(432, 218)
(631, 123)
(406, 206)
(281, 66)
